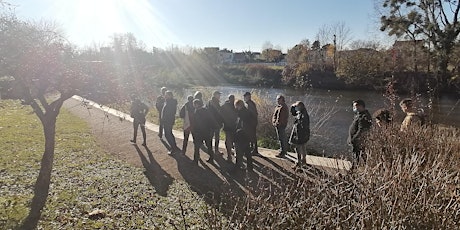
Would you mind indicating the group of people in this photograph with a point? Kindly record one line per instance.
(239, 119)
(205, 121)
(362, 122)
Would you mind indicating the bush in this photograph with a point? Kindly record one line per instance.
(411, 180)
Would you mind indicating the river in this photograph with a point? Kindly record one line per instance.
(338, 104)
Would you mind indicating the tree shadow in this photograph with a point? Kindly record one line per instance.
(41, 190)
(157, 177)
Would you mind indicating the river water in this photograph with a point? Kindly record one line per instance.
(334, 110)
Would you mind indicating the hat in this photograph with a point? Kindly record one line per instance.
(216, 93)
(247, 94)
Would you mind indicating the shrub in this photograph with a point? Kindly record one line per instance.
(411, 180)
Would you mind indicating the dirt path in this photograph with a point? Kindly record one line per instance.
(113, 133)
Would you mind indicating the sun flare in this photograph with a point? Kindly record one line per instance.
(94, 21)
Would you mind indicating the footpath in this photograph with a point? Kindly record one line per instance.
(113, 130)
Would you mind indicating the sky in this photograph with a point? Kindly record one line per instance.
(237, 25)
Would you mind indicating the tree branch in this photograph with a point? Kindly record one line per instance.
(43, 101)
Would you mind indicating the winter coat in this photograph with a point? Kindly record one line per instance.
(139, 110)
(253, 109)
(243, 125)
(280, 116)
(159, 103)
(412, 119)
(203, 123)
(186, 113)
(300, 133)
(229, 116)
(214, 108)
(362, 122)
(168, 113)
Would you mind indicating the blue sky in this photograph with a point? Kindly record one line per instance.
(237, 24)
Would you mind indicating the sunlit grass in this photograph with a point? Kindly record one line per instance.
(84, 178)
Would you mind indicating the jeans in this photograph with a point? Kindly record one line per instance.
(281, 132)
(216, 134)
(136, 124)
(170, 136)
(242, 149)
(229, 139)
(198, 142)
(185, 143)
(160, 127)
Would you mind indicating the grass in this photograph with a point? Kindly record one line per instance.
(84, 179)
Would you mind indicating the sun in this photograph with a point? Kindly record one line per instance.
(95, 21)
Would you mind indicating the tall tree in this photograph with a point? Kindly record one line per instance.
(435, 20)
(43, 72)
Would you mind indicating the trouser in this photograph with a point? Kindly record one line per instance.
(358, 152)
(170, 136)
(242, 149)
(198, 142)
(229, 139)
(136, 124)
(253, 141)
(160, 126)
(301, 151)
(216, 134)
(281, 132)
(185, 143)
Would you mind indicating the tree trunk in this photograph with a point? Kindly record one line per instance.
(44, 177)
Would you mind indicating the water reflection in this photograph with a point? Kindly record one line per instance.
(444, 110)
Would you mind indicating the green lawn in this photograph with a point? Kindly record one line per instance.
(84, 179)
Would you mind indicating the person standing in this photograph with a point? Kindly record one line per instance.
(168, 118)
(201, 130)
(279, 121)
(242, 147)
(382, 117)
(198, 95)
(252, 127)
(138, 112)
(362, 122)
(186, 113)
(214, 108)
(413, 118)
(300, 133)
(229, 118)
(159, 104)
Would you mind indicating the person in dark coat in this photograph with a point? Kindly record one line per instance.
(159, 104)
(202, 126)
(138, 112)
(214, 108)
(168, 118)
(382, 117)
(229, 118)
(362, 122)
(242, 140)
(300, 133)
(279, 121)
(251, 106)
(186, 113)
(198, 95)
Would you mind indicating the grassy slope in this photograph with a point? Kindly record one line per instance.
(84, 179)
